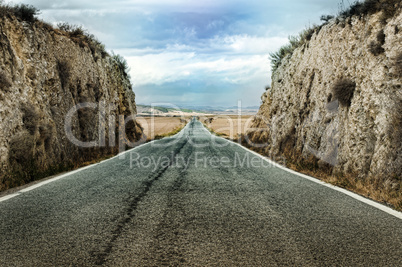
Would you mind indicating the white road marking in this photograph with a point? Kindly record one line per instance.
(315, 180)
(8, 197)
(360, 198)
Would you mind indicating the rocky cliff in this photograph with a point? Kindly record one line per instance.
(335, 105)
(44, 73)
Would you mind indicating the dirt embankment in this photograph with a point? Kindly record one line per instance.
(335, 106)
(44, 73)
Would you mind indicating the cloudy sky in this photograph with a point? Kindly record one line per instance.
(192, 52)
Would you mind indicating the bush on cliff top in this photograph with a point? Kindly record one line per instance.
(294, 42)
(22, 11)
(369, 7)
(82, 37)
(122, 64)
(358, 8)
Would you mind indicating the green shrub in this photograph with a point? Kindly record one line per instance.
(343, 91)
(5, 82)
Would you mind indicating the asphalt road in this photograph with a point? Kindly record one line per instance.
(193, 200)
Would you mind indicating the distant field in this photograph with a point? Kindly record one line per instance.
(161, 126)
(228, 125)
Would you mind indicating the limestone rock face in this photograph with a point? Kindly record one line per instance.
(43, 75)
(302, 115)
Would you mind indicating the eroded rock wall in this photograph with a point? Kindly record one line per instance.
(43, 74)
(301, 118)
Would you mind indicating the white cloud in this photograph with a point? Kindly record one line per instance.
(243, 59)
(204, 49)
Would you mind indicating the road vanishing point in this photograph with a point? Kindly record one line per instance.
(192, 200)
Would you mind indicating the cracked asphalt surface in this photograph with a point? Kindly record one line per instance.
(193, 200)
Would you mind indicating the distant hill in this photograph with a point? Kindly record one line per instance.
(147, 110)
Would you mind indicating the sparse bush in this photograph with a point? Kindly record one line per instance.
(368, 7)
(294, 43)
(5, 82)
(30, 117)
(26, 12)
(388, 7)
(326, 18)
(22, 11)
(64, 69)
(343, 91)
(122, 64)
(81, 36)
(45, 25)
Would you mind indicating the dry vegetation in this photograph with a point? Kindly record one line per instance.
(388, 8)
(343, 91)
(158, 127)
(380, 188)
(228, 126)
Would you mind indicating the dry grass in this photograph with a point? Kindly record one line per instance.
(158, 127)
(230, 126)
(343, 91)
(386, 190)
(380, 189)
